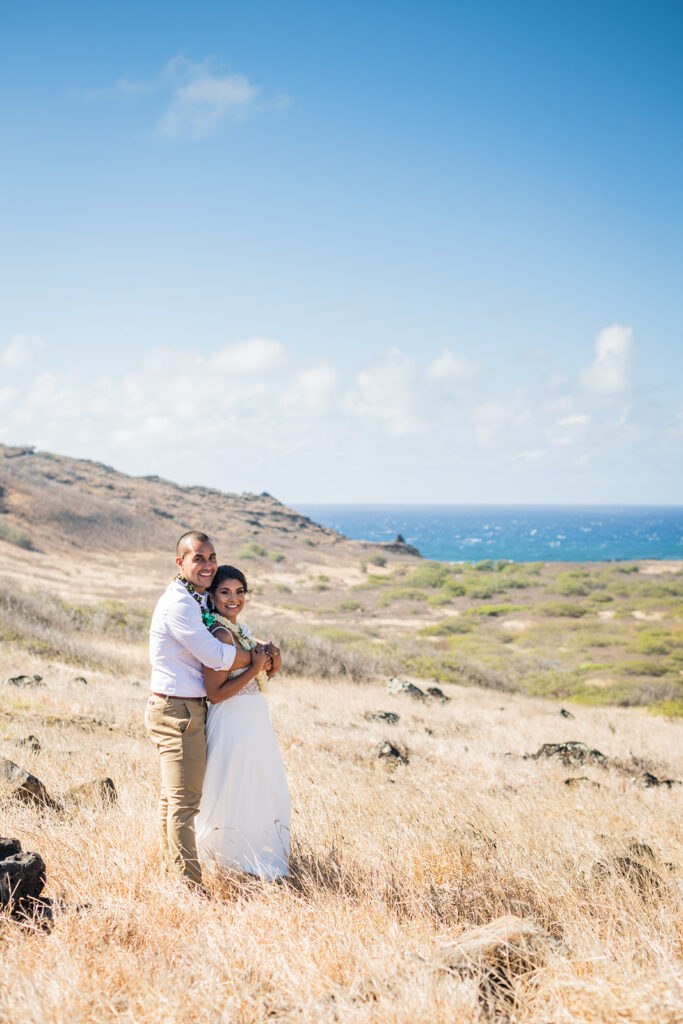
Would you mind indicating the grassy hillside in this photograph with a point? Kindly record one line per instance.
(393, 857)
(390, 863)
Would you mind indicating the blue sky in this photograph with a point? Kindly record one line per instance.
(374, 252)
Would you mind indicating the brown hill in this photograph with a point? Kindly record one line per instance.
(52, 504)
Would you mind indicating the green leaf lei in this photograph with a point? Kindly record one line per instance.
(207, 617)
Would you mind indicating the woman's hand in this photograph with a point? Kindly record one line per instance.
(259, 656)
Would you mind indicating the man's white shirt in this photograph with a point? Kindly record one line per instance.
(180, 644)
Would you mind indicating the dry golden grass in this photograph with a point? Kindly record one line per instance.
(386, 864)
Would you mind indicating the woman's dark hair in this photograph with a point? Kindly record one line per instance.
(228, 572)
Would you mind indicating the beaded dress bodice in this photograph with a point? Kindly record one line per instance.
(251, 687)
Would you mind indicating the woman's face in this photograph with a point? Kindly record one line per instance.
(228, 598)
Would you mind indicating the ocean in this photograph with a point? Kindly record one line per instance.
(471, 533)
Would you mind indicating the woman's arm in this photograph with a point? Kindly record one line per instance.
(218, 686)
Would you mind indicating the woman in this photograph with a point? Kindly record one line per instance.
(244, 815)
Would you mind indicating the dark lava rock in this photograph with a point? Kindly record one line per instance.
(642, 771)
(575, 780)
(572, 752)
(95, 791)
(392, 755)
(648, 780)
(566, 714)
(24, 680)
(396, 686)
(8, 847)
(641, 877)
(32, 742)
(24, 786)
(390, 717)
(82, 680)
(22, 878)
(434, 691)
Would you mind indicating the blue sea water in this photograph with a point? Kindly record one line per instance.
(519, 533)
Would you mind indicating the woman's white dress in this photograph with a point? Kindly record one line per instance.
(245, 810)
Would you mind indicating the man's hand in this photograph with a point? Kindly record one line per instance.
(275, 659)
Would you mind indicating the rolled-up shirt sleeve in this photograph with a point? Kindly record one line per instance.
(185, 625)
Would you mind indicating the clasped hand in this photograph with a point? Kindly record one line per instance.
(266, 656)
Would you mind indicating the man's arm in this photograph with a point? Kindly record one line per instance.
(184, 622)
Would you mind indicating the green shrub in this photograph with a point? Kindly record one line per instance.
(14, 536)
(439, 598)
(483, 590)
(276, 556)
(373, 582)
(655, 642)
(282, 588)
(668, 588)
(336, 635)
(561, 609)
(454, 587)
(379, 560)
(643, 668)
(497, 609)
(251, 550)
(347, 606)
(571, 588)
(519, 583)
(431, 574)
(670, 709)
(401, 594)
(484, 566)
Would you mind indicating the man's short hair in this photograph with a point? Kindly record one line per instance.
(184, 542)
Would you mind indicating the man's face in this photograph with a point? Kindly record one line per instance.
(198, 564)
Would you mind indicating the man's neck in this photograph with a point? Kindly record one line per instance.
(194, 588)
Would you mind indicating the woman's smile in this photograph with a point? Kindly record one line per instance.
(228, 598)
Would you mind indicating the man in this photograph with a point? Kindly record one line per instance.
(179, 645)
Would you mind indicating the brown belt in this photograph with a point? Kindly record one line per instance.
(174, 696)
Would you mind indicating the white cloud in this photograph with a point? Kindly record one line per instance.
(255, 355)
(183, 412)
(493, 420)
(451, 368)
(21, 348)
(203, 97)
(310, 393)
(385, 391)
(608, 374)
(529, 456)
(568, 429)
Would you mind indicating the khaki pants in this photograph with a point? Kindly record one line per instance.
(177, 728)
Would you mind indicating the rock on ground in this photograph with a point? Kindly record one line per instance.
(22, 876)
(94, 791)
(390, 717)
(24, 786)
(391, 754)
(396, 686)
(496, 954)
